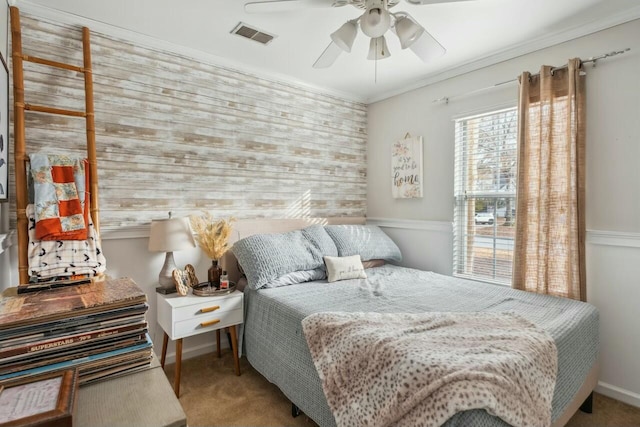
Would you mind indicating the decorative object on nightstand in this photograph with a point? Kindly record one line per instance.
(204, 290)
(182, 317)
(184, 279)
(169, 235)
(213, 238)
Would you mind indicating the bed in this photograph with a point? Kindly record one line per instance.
(275, 345)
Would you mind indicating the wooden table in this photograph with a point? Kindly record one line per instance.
(142, 399)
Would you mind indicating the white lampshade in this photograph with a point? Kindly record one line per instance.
(168, 235)
(378, 49)
(171, 234)
(408, 31)
(375, 22)
(345, 35)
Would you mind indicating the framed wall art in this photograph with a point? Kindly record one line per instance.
(46, 399)
(406, 168)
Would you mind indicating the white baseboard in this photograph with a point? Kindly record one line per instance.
(618, 393)
(191, 352)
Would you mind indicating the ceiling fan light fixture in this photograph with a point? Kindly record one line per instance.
(375, 22)
(378, 49)
(408, 31)
(345, 35)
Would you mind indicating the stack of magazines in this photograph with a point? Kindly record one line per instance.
(98, 328)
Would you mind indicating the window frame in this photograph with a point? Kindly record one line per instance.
(462, 194)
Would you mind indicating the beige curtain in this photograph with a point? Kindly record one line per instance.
(550, 225)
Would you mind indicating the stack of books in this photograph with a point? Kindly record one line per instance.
(98, 328)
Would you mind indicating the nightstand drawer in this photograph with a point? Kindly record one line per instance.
(207, 322)
(207, 308)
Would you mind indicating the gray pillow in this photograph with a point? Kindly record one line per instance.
(265, 257)
(296, 277)
(368, 241)
(321, 241)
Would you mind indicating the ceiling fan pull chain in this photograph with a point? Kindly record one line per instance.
(375, 65)
(375, 74)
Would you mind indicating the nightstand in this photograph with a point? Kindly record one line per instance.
(185, 316)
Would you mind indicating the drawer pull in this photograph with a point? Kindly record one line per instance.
(209, 309)
(209, 323)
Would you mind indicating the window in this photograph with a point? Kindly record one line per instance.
(485, 195)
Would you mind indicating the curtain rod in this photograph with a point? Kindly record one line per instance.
(593, 59)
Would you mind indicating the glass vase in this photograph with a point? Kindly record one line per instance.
(213, 274)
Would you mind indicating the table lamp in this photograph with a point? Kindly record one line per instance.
(169, 235)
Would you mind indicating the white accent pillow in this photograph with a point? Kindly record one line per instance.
(343, 268)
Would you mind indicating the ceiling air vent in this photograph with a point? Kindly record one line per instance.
(252, 33)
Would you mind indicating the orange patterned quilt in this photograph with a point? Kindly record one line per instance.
(60, 196)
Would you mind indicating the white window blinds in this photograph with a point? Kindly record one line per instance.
(485, 195)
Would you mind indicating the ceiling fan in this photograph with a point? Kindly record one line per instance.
(374, 23)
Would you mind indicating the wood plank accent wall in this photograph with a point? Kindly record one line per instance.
(174, 133)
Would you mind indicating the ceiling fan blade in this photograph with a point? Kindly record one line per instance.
(328, 57)
(283, 5)
(427, 48)
(419, 2)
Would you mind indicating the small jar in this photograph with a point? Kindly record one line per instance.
(224, 280)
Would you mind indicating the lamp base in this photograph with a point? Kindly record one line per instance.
(165, 278)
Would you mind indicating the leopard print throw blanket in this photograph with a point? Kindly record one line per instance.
(421, 369)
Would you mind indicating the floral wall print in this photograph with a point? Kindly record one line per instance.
(406, 168)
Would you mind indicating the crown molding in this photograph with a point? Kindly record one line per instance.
(480, 62)
(185, 51)
(515, 51)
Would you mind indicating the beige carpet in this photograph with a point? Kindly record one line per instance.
(212, 395)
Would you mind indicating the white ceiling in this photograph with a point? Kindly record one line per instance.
(475, 33)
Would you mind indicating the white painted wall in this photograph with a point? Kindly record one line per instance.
(613, 180)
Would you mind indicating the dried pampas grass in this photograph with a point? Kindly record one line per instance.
(212, 235)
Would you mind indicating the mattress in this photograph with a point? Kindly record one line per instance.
(275, 345)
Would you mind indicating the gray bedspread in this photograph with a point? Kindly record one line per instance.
(276, 347)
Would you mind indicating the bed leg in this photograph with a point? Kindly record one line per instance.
(587, 406)
(295, 411)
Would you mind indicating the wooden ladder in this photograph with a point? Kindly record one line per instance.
(21, 158)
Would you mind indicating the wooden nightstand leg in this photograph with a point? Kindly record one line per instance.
(218, 343)
(176, 381)
(226, 330)
(163, 357)
(234, 348)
